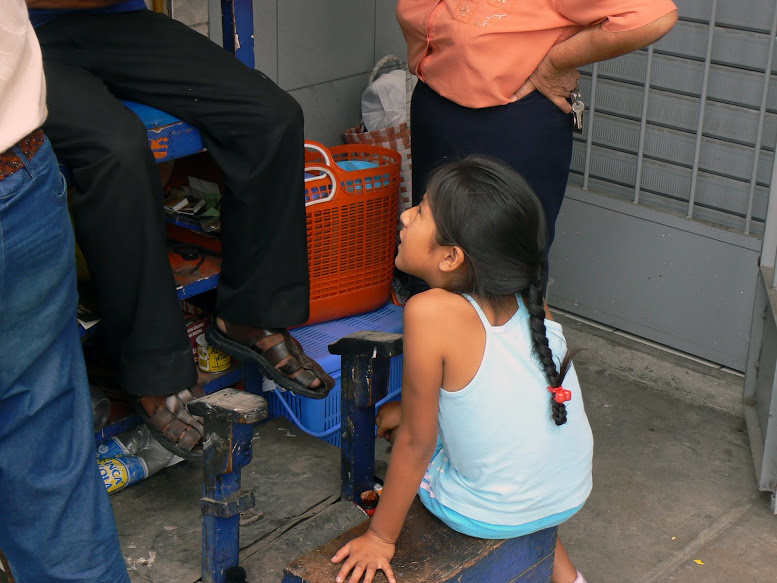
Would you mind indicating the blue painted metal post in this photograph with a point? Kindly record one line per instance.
(365, 365)
(237, 21)
(229, 417)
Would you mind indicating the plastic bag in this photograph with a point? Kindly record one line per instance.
(384, 101)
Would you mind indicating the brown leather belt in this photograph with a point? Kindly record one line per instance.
(10, 161)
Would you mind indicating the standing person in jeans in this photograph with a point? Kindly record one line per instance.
(96, 52)
(56, 522)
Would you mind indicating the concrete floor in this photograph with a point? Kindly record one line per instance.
(675, 498)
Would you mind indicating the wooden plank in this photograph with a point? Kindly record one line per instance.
(264, 562)
(427, 550)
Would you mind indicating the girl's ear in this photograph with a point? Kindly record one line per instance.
(452, 259)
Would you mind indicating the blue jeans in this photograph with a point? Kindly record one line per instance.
(56, 520)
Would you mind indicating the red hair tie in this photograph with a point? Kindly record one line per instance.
(560, 394)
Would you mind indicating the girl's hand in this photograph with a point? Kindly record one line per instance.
(387, 420)
(555, 84)
(366, 555)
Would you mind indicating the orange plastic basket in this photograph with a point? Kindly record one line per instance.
(351, 228)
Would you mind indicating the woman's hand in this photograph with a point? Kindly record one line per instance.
(365, 556)
(555, 84)
(387, 420)
(556, 76)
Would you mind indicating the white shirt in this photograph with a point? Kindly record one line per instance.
(22, 85)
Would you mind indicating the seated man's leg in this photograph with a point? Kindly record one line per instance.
(254, 131)
(120, 226)
(57, 524)
(264, 286)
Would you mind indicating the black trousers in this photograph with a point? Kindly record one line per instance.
(532, 135)
(253, 130)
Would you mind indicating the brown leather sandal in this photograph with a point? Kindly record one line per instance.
(296, 374)
(172, 425)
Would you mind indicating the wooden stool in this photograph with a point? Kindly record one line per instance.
(229, 416)
(430, 552)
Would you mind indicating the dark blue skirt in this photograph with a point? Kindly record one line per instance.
(532, 135)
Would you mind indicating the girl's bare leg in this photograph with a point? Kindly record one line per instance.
(563, 569)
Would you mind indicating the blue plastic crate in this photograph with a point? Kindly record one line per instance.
(321, 417)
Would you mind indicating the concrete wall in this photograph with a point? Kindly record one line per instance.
(321, 52)
(192, 12)
(665, 278)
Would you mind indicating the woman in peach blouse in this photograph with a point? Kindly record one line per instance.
(495, 78)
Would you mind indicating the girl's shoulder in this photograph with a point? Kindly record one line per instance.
(445, 329)
(437, 299)
(435, 307)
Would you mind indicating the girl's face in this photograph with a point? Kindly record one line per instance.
(415, 254)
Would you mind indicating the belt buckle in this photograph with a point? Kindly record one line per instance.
(11, 162)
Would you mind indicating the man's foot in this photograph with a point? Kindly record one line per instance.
(278, 355)
(171, 424)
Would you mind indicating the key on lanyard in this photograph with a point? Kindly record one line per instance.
(578, 107)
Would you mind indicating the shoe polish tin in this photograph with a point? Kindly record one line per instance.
(211, 359)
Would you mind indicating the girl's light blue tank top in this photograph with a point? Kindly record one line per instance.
(502, 460)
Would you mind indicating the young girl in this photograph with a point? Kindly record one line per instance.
(498, 447)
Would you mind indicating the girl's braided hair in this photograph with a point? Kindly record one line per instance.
(487, 209)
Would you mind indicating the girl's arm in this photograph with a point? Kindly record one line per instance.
(557, 75)
(413, 448)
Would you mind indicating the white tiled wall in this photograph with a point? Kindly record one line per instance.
(321, 51)
(191, 12)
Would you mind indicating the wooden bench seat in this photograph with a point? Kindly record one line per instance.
(430, 552)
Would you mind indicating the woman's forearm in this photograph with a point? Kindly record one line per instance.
(595, 44)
